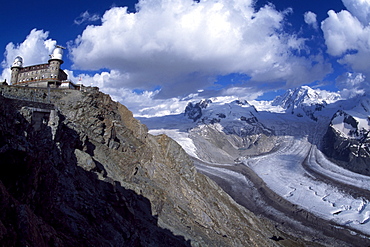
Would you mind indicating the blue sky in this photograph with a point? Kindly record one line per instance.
(153, 55)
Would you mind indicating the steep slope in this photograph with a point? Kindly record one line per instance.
(51, 194)
(82, 171)
(347, 140)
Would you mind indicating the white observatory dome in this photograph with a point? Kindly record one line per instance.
(18, 61)
(57, 53)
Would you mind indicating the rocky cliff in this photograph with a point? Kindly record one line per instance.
(347, 140)
(79, 170)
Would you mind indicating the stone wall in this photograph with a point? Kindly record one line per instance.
(24, 93)
(36, 94)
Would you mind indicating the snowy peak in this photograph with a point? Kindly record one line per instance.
(207, 111)
(353, 123)
(349, 126)
(305, 96)
(348, 136)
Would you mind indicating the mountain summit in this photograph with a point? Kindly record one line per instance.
(305, 96)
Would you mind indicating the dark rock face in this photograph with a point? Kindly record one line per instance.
(352, 151)
(81, 171)
(194, 111)
(48, 200)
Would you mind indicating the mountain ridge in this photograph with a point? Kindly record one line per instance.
(318, 105)
(305, 95)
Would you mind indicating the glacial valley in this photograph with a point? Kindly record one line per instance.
(302, 160)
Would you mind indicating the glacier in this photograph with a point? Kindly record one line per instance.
(281, 142)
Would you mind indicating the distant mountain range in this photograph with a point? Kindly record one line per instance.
(311, 148)
(340, 127)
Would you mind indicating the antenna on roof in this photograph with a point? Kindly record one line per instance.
(59, 46)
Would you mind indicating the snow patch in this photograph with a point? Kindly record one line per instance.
(182, 138)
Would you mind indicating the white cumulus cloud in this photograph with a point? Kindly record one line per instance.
(360, 9)
(348, 38)
(35, 49)
(310, 19)
(182, 46)
(352, 84)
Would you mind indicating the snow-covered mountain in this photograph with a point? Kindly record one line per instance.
(305, 101)
(305, 96)
(348, 137)
(229, 129)
(283, 141)
(237, 128)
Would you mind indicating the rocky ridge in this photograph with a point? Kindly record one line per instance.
(347, 140)
(79, 170)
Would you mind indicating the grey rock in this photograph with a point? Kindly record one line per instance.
(351, 152)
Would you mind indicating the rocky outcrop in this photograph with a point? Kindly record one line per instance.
(348, 143)
(194, 111)
(86, 173)
(51, 194)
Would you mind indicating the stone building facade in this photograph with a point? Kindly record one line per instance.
(41, 75)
